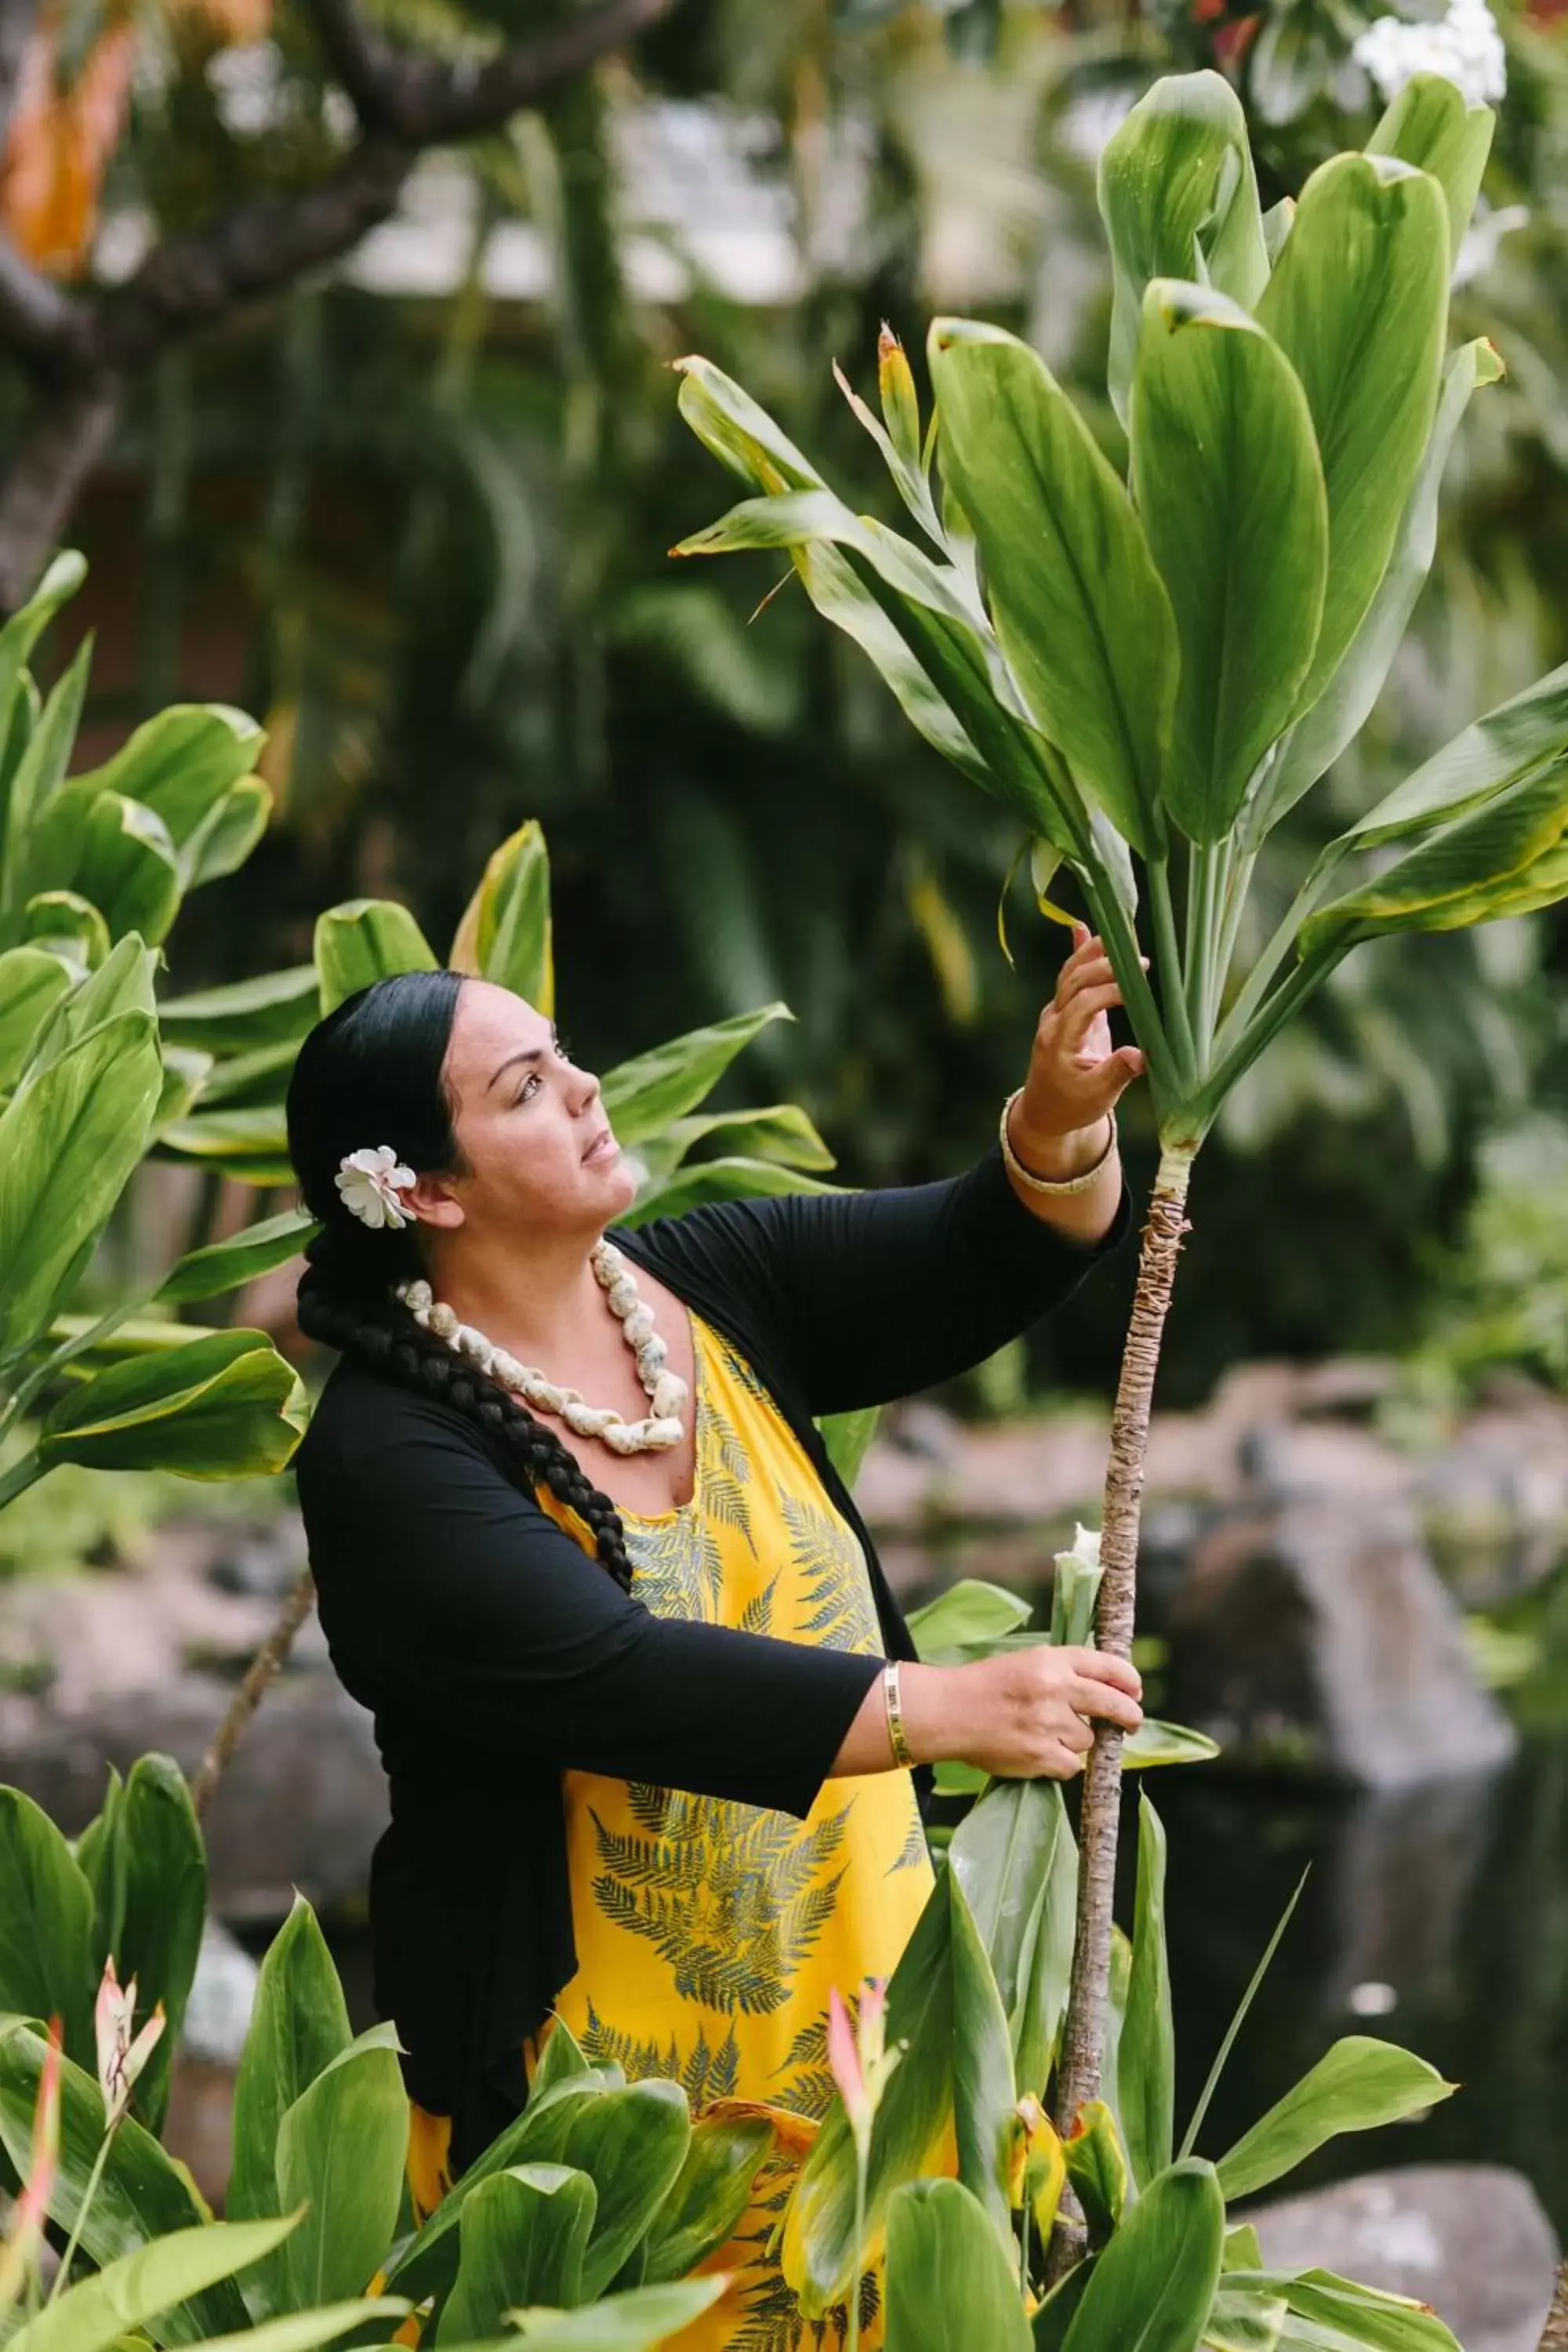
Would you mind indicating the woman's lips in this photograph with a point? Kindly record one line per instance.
(604, 1147)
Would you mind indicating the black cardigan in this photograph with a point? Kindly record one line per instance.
(494, 1654)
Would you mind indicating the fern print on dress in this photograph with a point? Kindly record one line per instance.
(710, 1934)
(732, 1899)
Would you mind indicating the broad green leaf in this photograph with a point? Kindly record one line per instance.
(299, 2024)
(561, 2058)
(740, 434)
(966, 1621)
(1154, 1743)
(1431, 125)
(1146, 2063)
(1001, 1857)
(429, 2264)
(31, 981)
(1502, 749)
(1387, 2322)
(118, 854)
(36, 779)
(341, 2150)
(984, 2097)
(1247, 2317)
(636, 2322)
(17, 638)
(1152, 2287)
(182, 762)
(1356, 2085)
(848, 1437)
(130, 2292)
(1277, 223)
(226, 1406)
(783, 1132)
(275, 1009)
(1060, 2309)
(225, 1265)
(363, 942)
(104, 1861)
(1225, 471)
(302, 2331)
(720, 1180)
(1485, 864)
(121, 984)
(1079, 607)
(135, 1337)
(46, 1924)
(642, 1095)
(1341, 712)
(69, 1137)
(1097, 2167)
(709, 2194)
(632, 2144)
(247, 1080)
(1358, 304)
(142, 2194)
(948, 2280)
(65, 919)
(1042, 1997)
(227, 835)
(184, 1075)
(521, 2240)
(227, 1132)
(818, 2251)
(505, 935)
(1179, 199)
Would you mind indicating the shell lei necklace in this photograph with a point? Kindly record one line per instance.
(661, 1428)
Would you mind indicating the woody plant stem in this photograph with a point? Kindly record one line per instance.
(1083, 2036)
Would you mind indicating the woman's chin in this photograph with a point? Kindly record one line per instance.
(617, 1181)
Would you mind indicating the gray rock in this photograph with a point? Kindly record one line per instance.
(1316, 1632)
(1470, 2240)
(149, 1659)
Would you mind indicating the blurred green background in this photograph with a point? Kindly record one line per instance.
(413, 510)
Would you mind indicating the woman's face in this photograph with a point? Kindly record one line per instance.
(536, 1146)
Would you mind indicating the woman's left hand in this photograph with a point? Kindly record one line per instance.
(1077, 1075)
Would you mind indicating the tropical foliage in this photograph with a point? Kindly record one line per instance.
(1152, 672)
(605, 2194)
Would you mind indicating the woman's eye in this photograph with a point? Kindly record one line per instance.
(531, 1081)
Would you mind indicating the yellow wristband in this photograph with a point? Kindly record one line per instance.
(896, 1739)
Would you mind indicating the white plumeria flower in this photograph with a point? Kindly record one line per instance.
(120, 2058)
(1465, 47)
(370, 1182)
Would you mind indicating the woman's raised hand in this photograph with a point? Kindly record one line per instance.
(1024, 1715)
(1076, 1072)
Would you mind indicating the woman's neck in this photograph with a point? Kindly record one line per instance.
(535, 1301)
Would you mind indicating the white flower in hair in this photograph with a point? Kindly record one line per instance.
(370, 1182)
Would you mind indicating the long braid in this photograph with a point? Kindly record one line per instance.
(384, 1334)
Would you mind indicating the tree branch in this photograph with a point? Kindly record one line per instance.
(44, 478)
(188, 282)
(423, 100)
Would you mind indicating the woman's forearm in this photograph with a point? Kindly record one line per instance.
(1025, 1714)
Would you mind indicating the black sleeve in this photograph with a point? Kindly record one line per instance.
(445, 1583)
(873, 1295)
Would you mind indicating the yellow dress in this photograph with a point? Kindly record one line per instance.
(710, 1934)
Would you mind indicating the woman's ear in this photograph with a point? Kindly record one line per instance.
(434, 1202)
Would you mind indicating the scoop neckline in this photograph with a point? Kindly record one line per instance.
(673, 1518)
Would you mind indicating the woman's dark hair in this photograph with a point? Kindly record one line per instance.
(372, 1073)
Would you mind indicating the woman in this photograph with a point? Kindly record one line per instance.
(638, 1683)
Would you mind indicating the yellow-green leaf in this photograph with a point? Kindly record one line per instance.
(363, 942)
(1359, 2084)
(505, 933)
(1358, 303)
(1432, 125)
(1225, 467)
(227, 1406)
